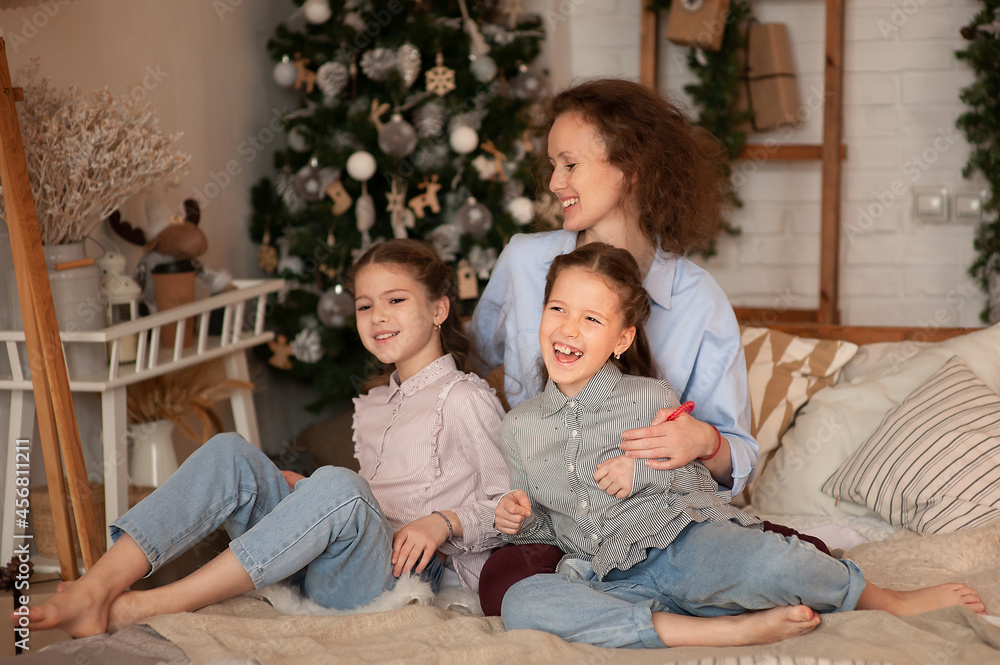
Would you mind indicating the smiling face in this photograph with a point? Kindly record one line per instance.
(586, 183)
(581, 328)
(396, 320)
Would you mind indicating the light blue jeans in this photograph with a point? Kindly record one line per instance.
(328, 536)
(711, 569)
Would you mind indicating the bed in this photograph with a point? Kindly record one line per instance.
(884, 441)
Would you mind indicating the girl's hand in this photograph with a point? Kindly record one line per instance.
(677, 442)
(291, 477)
(511, 512)
(615, 476)
(416, 543)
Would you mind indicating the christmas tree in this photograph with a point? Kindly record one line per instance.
(416, 121)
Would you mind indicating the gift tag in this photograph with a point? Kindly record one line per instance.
(468, 285)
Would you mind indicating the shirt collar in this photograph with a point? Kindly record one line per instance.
(423, 378)
(596, 393)
(659, 282)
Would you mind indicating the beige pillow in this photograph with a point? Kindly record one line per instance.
(837, 420)
(784, 372)
(932, 465)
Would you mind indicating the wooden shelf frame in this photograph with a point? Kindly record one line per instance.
(831, 153)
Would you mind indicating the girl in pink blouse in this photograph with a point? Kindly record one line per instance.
(431, 473)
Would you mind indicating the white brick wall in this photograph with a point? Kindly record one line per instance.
(901, 86)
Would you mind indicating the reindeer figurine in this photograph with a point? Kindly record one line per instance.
(428, 199)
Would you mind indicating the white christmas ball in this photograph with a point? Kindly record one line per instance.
(361, 166)
(484, 69)
(296, 141)
(285, 73)
(317, 11)
(463, 140)
(522, 209)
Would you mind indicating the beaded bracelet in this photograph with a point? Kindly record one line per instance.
(451, 532)
(717, 448)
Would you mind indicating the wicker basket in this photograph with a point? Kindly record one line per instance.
(43, 525)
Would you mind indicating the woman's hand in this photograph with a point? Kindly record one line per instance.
(291, 477)
(511, 512)
(615, 476)
(671, 445)
(416, 543)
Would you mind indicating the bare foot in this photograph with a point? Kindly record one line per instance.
(764, 627)
(131, 607)
(76, 608)
(918, 601)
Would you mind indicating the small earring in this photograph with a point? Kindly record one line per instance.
(618, 355)
(437, 326)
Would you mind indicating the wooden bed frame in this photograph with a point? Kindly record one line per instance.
(856, 334)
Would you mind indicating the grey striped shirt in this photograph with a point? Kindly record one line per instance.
(553, 445)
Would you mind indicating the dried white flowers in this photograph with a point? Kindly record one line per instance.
(87, 154)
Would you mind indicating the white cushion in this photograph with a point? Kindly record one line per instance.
(837, 420)
(933, 465)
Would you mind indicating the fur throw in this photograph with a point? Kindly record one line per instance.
(409, 590)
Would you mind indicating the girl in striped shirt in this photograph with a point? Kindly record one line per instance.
(430, 475)
(656, 557)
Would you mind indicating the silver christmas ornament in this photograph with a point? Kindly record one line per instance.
(378, 63)
(297, 141)
(474, 218)
(306, 347)
(446, 241)
(335, 306)
(408, 63)
(332, 77)
(529, 84)
(430, 158)
(285, 72)
(309, 182)
(484, 69)
(361, 165)
(429, 119)
(397, 137)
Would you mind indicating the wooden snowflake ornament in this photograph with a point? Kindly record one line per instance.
(440, 79)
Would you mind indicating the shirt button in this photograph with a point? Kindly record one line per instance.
(583, 504)
(394, 412)
(594, 536)
(571, 468)
(573, 433)
(572, 402)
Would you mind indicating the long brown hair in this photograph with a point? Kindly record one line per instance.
(676, 174)
(435, 276)
(619, 270)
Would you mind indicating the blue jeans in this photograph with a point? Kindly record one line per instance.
(711, 569)
(329, 535)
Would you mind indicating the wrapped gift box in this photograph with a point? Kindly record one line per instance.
(770, 88)
(698, 23)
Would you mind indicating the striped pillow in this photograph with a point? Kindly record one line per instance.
(933, 465)
(784, 372)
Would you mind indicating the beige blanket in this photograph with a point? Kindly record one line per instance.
(251, 630)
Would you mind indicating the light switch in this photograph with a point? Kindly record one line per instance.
(969, 205)
(931, 203)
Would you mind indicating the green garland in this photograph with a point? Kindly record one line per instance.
(981, 126)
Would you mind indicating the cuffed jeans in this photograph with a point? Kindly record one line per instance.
(328, 535)
(711, 569)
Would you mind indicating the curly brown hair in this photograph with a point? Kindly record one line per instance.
(676, 174)
(435, 276)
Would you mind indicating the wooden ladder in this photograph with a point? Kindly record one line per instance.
(832, 152)
(60, 439)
